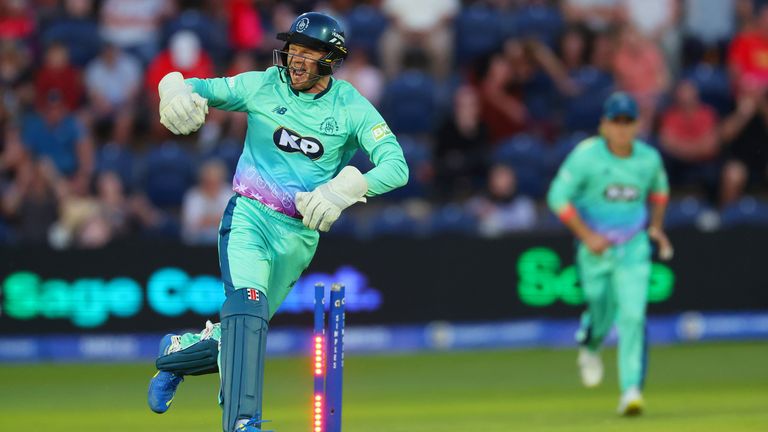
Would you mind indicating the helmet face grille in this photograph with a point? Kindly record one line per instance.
(325, 65)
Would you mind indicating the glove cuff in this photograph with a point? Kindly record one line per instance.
(350, 185)
(171, 85)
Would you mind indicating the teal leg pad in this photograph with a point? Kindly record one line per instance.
(197, 359)
(244, 325)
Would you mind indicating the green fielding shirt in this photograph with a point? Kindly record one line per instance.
(609, 192)
(298, 141)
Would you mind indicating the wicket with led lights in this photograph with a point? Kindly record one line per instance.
(328, 360)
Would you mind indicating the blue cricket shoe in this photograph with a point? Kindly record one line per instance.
(162, 386)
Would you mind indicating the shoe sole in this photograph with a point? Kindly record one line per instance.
(160, 409)
(633, 408)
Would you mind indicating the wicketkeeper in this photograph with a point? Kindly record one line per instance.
(292, 180)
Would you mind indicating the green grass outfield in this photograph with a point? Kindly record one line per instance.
(704, 387)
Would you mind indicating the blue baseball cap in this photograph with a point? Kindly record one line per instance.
(620, 104)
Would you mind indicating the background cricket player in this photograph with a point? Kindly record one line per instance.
(292, 180)
(600, 193)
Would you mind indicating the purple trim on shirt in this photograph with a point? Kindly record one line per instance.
(252, 185)
(620, 235)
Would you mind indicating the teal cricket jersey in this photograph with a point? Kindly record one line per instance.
(609, 192)
(298, 141)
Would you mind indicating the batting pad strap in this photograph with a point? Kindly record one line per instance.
(197, 359)
(244, 317)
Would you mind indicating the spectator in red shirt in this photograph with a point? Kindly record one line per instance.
(184, 54)
(690, 140)
(500, 83)
(57, 73)
(748, 56)
(16, 21)
(245, 30)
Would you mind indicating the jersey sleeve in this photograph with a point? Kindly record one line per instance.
(390, 170)
(659, 190)
(567, 182)
(230, 93)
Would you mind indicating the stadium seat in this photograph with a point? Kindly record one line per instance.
(394, 220)
(445, 91)
(541, 97)
(557, 153)
(409, 103)
(541, 22)
(532, 181)
(683, 212)
(746, 211)
(714, 86)
(548, 221)
(168, 174)
(345, 226)
(583, 111)
(120, 160)
(365, 25)
(80, 37)
(521, 150)
(228, 151)
(212, 34)
(526, 154)
(360, 161)
(453, 218)
(5, 233)
(167, 228)
(478, 32)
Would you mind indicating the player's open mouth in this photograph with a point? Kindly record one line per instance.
(298, 72)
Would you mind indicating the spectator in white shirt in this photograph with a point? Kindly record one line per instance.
(115, 104)
(204, 204)
(134, 25)
(422, 24)
(503, 210)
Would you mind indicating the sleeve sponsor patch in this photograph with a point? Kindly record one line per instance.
(380, 131)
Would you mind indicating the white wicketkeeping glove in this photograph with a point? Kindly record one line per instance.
(182, 111)
(323, 206)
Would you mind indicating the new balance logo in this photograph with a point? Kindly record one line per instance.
(280, 110)
(253, 294)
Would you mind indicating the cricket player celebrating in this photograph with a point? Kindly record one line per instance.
(292, 180)
(600, 193)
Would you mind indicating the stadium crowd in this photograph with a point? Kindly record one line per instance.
(487, 97)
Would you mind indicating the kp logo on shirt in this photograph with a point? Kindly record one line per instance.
(291, 142)
(619, 192)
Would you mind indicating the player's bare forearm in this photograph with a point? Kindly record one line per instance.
(658, 210)
(656, 231)
(595, 242)
(576, 224)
